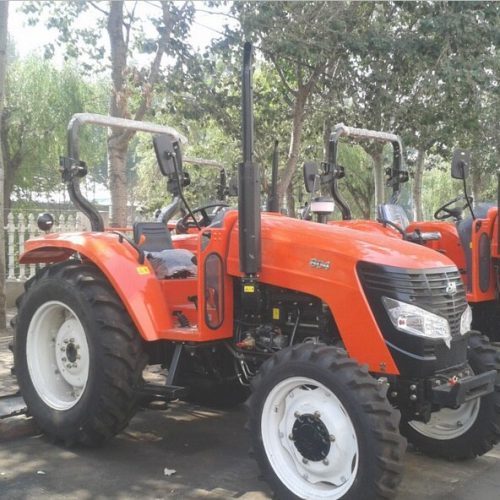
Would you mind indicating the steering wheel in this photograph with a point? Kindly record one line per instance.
(184, 225)
(445, 212)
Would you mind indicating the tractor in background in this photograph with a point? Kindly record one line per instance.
(345, 338)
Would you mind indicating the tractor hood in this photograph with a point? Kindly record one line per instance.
(296, 244)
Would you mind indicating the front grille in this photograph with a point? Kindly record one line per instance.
(427, 288)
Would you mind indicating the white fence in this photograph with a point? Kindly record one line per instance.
(21, 227)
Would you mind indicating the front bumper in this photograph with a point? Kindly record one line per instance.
(456, 392)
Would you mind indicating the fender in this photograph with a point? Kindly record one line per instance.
(135, 283)
(291, 250)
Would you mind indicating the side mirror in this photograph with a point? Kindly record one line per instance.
(168, 154)
(460, 164)
(310, 176)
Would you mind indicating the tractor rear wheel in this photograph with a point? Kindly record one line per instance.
(321, 427)
(473, 428)
(78, 357)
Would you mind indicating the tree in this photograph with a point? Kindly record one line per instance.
(40, 100)
(4, 13)
(132, 86)
(293, 35)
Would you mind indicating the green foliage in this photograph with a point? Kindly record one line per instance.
(40, 100)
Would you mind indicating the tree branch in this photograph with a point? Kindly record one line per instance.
(105, 12)
(282, 77)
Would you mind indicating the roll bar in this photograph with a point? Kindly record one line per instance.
(395, 175)
(72, 168)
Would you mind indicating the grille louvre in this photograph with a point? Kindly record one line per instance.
(425, 288)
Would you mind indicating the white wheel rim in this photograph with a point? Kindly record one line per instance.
(57, 354)
(290, 404)
(449, 423)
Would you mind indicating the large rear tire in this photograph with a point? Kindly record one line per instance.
(78, 357)
(470, 430)
(321, 427)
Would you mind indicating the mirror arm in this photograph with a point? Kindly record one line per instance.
(331, 176)
(467, 198)
(181, 194)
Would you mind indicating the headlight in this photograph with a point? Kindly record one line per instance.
(466, 320)
(416, 321)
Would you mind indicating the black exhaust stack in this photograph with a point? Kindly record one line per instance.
(249, 180)
(273, 204)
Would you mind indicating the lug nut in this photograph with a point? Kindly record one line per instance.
(317, 415)
(326, 462)
(394, 394)
(332, 438)
(62, 349)
(71, 340)
(413, 387)
(63, 359)
(296, 414)
(413, 397)
(305, 461)
(68, 365)
(66, 341)
(290, 437)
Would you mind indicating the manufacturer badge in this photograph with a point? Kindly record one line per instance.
(319, 264)
(451, 288)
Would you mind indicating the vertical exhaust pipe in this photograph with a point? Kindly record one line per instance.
(274, 204)
(249, 180)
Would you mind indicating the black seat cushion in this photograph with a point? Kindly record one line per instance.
(156, 236)
(173, 263)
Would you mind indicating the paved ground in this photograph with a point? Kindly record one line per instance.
(208, 450)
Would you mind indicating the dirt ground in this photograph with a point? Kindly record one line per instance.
(207, 449)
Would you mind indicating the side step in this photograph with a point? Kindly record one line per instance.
(12, 405)
(164, 392)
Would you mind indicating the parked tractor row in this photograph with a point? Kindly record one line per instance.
(344, 337)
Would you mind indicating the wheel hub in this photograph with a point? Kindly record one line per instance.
(57, 353)
(311, 437)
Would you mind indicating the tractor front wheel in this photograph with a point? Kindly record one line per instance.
(473, 428)
(78, 357)
(321, 427)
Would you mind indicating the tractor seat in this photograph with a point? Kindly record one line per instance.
(464, 228)
(168, 262)
(152, 236)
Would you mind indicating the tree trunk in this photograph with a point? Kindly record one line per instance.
(295, 141)
(117, 167)
(118, 140)
(118, 106)
(418, 184)
(290, 201)
(4, 12)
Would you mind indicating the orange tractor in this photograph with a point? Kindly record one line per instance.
(337, 333)
(472, 243)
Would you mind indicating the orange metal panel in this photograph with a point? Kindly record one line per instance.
(136, 284)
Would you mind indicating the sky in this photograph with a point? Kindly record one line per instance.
(32, 39)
